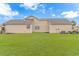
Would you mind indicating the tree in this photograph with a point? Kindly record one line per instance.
(3, 28)
(73, 25)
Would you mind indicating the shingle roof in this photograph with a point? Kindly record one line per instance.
(52, 21)
(15, 22)
(30, 17)
(59, 21)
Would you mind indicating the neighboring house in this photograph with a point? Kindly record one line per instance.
(0, 28)
(75, 28)
(33, 24)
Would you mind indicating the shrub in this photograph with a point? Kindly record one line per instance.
(75, 32)
(69, 32)
(72, 32)
(62, 32)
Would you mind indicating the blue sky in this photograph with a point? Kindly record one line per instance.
(10, 11)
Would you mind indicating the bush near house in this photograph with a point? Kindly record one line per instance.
(72, 32)
(75, 32)
(62, 32)
(69, 32)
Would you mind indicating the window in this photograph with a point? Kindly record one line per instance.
(36, 27)
(28, 26)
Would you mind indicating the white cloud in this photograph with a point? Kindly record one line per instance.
(6, 13)
(5, 10)
(70, 14)
(3, 19)
(32, 6)
(53, 15)
(41, 9)
(41, 5)
(50, 12)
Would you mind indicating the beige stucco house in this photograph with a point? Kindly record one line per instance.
(34, 24)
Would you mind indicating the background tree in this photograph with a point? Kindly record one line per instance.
(73, 25)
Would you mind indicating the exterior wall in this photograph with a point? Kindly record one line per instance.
(59, 28)
(17, 29)
(43, 26)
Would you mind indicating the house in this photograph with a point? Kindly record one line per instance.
(34, 24)
(75, 28)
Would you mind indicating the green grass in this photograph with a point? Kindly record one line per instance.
(39, 44)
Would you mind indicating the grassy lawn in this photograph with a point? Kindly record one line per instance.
(39, 44)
